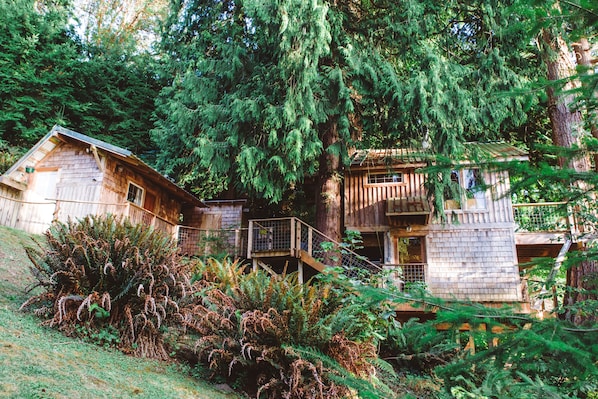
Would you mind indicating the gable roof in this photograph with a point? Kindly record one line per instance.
(497, 151)
(60, 134)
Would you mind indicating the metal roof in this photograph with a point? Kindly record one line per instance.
(497, 151)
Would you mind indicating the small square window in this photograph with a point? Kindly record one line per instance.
(135, 194)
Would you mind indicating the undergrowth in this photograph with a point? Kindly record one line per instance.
(277, 338)
(109, 281)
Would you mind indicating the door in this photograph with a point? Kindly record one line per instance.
(149, 203)
(39, 208)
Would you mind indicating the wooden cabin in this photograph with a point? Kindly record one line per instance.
(470, 256)
(70, 175)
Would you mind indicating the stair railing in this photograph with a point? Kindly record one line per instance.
(292, 235)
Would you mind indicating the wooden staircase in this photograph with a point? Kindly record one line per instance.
(292, 238)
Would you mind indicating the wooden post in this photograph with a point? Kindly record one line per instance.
(300, 271)
(250, 240)
(293, 244)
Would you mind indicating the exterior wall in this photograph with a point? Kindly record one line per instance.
(115, 187)
(67, 182)
(365, 204)
(10, 206)
(79, 180)
(470, 257)
(499, 208)
(477, 264)
(231, 213)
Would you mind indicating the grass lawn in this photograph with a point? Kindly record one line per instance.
(38, 362)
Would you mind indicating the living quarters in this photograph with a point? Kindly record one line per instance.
(469, 256)
(70, 175)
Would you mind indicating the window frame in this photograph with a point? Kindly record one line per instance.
(465, 201)
(392, 175)
(139, 189)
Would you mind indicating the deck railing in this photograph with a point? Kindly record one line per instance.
(203, 242)
(543, 217)
(135, 213)
(292, 236)
(407, 276)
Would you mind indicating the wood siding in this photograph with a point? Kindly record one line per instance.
(82, 186)
(365, 204)
(116, 183)
(79, 184)
(10, 206)
(473, 264)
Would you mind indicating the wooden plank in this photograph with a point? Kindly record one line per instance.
(310, 261)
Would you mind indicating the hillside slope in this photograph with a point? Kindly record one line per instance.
(38, 362)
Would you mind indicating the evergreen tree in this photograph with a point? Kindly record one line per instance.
(50, 76)
(38, 60)
(267, 93)
(569, 101)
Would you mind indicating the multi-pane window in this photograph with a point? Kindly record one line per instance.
(385, 177)
(475, 196)
(467, 190)
(135, 194)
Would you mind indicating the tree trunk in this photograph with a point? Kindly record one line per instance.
(582, 285)
(565, 122)
(584, 59)
(328, 201)
(566, 131)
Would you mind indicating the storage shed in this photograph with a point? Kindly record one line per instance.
(70, 175)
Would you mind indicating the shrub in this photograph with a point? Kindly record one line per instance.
(276, 337)
(544, 358)
(105, 274)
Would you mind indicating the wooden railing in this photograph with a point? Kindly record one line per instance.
(137, 214)
(36, 216)
(292, 237)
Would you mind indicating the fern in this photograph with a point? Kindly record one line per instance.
(129, 271)
(249, 325)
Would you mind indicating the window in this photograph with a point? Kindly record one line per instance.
(385, 177)
(135, 194)
(466, 191)
(474, 189)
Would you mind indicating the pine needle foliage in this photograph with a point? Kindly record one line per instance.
(102, 274)
(279, 338)
(515, 355)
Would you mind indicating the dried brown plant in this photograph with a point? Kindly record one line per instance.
(102, 272)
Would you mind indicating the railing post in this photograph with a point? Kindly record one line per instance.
(175, 234)
(310, 246)
(250, 239)
(298, 227)
(237, 242)
(293, 244)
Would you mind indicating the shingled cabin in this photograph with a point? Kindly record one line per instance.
(70, 175)
(469, 255)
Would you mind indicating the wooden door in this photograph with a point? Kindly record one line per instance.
(149, 203)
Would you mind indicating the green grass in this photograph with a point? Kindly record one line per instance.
(39, 362)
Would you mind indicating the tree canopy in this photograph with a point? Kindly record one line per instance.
(269, 93)
(51, 76)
